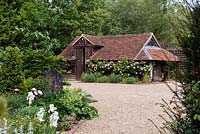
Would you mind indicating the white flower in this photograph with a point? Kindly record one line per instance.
(40, 92)
(33, 89)
(52, 108)
(16, 90)
(54, 119)
(50, 1)
(30, 97)
(35, 93)
(40, 114)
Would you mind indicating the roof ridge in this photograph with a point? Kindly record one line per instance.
(119, 35)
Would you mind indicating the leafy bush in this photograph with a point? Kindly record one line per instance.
(74, 101)
(3, 107)
(145, 78)
(130, 80)
(11, 74)
(42, 84)
(125, 68)
(97, 75)
(67, 122)
(27, 111)
(88, 77)
(39, 60)
(26, 85)
(183, 110)
(83, 76)
(103, 79)
(115, 78)
(15, 101)
(66, 83)
(38, 127)
(102, 67)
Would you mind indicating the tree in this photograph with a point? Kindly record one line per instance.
(184, 111)
(11, 74)
(136, 16)
(48, 25)
(36, 62)
(188, 36)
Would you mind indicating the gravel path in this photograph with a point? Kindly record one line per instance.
(124, 109)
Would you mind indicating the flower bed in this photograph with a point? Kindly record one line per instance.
(45, 112)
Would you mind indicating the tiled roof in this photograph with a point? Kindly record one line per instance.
(68, 51)
(118, 47)
(132, 47)
(162, 55)
(156, 54)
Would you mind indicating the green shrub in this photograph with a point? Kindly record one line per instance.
(66, 83)
(124, 67)
(145, 78)
(26, 111)
(15, 101)
(42, 84)
(115, 78)
(83, 76)
(103, 79)
(38, 127)
(66, 122)
(76, 102)
(71, 102)
(26, 85)
(3, 107)
(130, 80)
(97, 75)
(88, 77)
(11, 74)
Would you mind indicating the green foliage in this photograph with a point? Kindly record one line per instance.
(74, 101)
(38, 127)
(42, 84)
(115, 78)
(67, 122)
(185, 113)
(3, 107)
(72, 105)
(66, 83)
(102, 67)
(11, 74)
(128, 68)
(139, 16)
(188, 37)
(130, 80)
(88, 77)
(36, 62)
(145, 78)
(42, 25)
(26, 112)
(15, 101)
(103, 79)
(124, 67)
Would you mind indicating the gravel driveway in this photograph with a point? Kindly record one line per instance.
(124, 109)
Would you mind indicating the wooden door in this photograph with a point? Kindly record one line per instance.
(80, 61)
